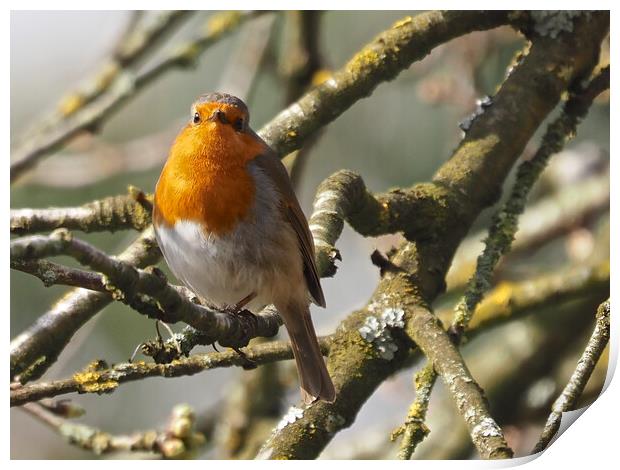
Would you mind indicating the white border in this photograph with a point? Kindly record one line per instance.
(592, 441)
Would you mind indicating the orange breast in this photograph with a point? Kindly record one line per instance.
(205, 180)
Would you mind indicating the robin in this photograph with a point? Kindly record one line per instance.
(231, 229)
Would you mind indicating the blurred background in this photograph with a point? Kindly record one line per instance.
(397, 137)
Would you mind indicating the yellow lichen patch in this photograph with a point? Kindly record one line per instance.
(117, 293)
(321, 76)
(565, 73)
(172, 448)
(221, 22)
(90, 379)
(404, 22)
(107, 75)
(362, 60)
(494, 304)
(70, 104)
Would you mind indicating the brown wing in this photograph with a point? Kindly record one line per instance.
(272, 165)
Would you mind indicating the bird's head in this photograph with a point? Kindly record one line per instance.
(221, 113)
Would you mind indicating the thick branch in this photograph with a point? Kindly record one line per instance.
(390, 53)
(505, 222)
(475, 173)
(499, 241)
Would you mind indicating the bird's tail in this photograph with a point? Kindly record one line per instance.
(316, 384)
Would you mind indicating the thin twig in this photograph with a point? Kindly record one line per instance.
(178, 439)
(131, 211)
(578, 380)
(97, 378)
(141, 37)
(542, 222)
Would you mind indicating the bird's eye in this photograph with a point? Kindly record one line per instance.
(196, 118)
(238, 125)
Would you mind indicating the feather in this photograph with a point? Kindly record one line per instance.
(273, 167)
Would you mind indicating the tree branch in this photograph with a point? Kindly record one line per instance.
(393, 51)
(137, 42)
(468, 182)
(546, 220)
(499, 241)
(128, 284)
(131, 211)
(178, 439)
(506, 302)
(38, 347)
(579, 379)
(97, 378)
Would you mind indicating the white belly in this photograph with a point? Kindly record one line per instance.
(261, 256)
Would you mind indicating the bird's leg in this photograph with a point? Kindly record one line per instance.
(238, 308)
(248, 363)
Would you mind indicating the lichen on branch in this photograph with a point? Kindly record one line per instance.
(131, 211)
(578, 380)
(476, 171)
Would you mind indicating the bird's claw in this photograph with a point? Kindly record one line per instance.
(248, 363)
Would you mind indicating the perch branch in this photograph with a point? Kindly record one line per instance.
(130, 285)
(579, 379)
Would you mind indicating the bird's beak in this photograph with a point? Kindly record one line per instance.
(218, 115)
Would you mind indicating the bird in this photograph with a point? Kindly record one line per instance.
(231, 229)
